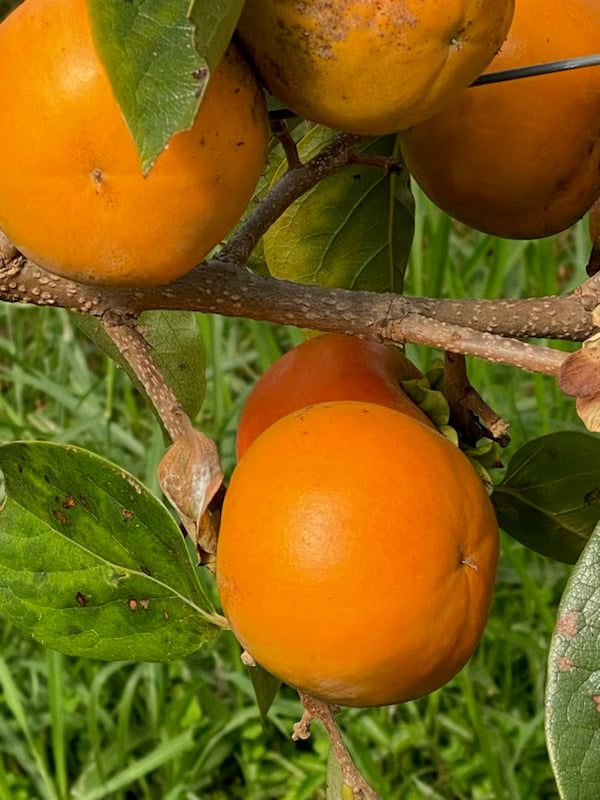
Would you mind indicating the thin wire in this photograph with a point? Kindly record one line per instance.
(538, 69)
(592, 60)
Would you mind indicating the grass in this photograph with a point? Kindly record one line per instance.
(76, 729)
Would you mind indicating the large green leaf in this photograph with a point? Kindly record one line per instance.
(91, 563)
(550, 497)
(353, 230)
(177, 349)
(159, 62)
(573, 682)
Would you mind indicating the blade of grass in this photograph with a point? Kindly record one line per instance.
(13, 700)
(55, 662)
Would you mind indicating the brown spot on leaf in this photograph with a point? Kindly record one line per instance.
(592, 496)
(70, 502)
(596, 699)
(564, 664)
(60, 516)
(127, 515)
(80, 599)
(133, 604)
(145, 604)
(567, 624)
(83, 501)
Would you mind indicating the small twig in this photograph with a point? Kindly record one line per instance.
(325, 713)
(387, 164)
(134, 347)
(288, 188)
(468, 410)
(282, 132)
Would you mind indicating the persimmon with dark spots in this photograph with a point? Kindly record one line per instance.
(371, 67)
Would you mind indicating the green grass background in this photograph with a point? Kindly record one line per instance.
(76, 729)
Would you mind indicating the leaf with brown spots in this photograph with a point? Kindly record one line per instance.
(573, 681)
(91, 564)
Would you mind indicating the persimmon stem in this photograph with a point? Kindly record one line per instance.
(325, 714)
(469, 412)
(282, 132)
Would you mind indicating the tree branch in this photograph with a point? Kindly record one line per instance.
(473, 327)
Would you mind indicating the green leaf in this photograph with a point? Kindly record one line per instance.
(177, 349)
(159, 63)
(573, 682)
(550, 497)
(91, 563)
(215, 22)
(265, 688)
(336, 788)
(353, 230)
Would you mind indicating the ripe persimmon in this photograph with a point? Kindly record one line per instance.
(371, 68)
(521, 158)
(331, 366)
(72, 194)
(357, 554)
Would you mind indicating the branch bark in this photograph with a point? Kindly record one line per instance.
(488, 329)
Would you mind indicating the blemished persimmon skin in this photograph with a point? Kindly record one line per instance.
(357, 554)
(371, 67)
(72, 194)
(331, 366)
(520, 159)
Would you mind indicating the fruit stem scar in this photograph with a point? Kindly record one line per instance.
(469, 562)
(97, 176)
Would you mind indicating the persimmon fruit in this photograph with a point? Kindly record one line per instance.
(331, 366)
(371, 67)
(357, 554)
(72, 194)
(520, 159)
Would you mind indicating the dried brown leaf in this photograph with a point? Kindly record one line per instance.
(190, 474)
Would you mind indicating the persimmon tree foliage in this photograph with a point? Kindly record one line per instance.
(93, 565)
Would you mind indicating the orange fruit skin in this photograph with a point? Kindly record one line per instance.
(371, 67)
(520, 159)
(357, 554)
(72, 194)
(331, 366)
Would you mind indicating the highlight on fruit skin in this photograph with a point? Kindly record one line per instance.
(371, 68)
(330, 366)
(357, 554)
(72, 194)
(520, 159)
